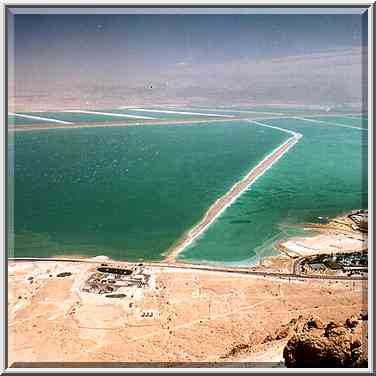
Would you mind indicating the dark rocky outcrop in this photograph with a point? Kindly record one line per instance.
(293, 326)
(333, 345)
(64, 274)
(237, 349)
(311, 343)
(351, 322)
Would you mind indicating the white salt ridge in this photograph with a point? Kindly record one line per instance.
(192, 235)
(111, 114)
(330, 123)
(40, 118)
(178, 112)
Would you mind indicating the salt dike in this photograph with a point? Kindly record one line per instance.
(237, 189)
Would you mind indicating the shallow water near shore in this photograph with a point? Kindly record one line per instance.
(131, 193)
(127, 193)
(324, 174)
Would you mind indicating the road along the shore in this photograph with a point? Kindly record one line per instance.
(237, 189)
(206, 268)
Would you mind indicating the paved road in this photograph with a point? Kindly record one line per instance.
(242, 271)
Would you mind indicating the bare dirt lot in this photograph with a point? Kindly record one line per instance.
(185, 316)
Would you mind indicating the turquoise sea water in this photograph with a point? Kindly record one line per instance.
(15, 120)
(132, 192)
(79, 118)
(325, 174)
(353, 121)
(125, 192)
(74, 117)
(295, 110)
(166, 115)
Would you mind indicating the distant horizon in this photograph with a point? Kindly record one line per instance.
(97, 60)
(40, 106)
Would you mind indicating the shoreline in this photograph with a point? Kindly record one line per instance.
(283, 260)
(221, 203)
(230, 197)
(338, 235)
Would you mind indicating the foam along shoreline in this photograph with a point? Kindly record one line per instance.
(236, 190)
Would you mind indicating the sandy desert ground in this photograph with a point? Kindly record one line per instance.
(198, 316)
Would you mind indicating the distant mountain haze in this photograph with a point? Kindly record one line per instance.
(100, 60)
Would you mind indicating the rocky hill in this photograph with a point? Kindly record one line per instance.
(308, 342)
(335, 344)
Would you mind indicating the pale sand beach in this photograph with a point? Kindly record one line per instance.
(337, 236)
(177, 315)
(221, 221)
(323, 243)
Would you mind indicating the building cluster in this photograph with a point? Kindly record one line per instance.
(349, 263)
(360, 220)
(108, 280)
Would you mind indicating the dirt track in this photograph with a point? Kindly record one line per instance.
(206, 268)
(51, 320)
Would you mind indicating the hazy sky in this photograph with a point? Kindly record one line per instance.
(301, 57)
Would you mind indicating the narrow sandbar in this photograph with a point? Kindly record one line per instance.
(226, 200)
